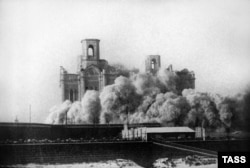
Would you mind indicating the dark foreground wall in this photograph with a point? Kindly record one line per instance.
(140, 152)
(15, 131)
(220, 145)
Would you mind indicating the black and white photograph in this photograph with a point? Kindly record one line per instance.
(124, 83)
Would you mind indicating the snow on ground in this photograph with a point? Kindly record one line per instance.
(118, 163)
(187, 162)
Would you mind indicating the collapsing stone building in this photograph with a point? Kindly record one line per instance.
(94, 73)
(185, 79)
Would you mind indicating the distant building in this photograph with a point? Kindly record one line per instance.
(94, 73)
(147, 133)
(170, 132)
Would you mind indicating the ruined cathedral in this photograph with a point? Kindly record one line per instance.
(94, 73)
(185, 79)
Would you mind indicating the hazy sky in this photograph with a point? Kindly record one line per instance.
(210, 37)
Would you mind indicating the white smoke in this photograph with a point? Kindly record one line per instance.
(91, 107)
(167, 79)
(146, 84)
(85, 112)
(58, 113)
(144, 98)
(118, 100)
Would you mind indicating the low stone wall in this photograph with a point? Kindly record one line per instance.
(140, 152)
(15, 131)
(219, 145)
(46, 131)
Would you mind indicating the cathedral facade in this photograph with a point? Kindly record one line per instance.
(94, 73)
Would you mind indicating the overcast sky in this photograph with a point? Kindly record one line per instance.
(210, 37)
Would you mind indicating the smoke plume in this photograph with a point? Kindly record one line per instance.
(118, 100)
(85, 112)
(58, 113)
(147, 98)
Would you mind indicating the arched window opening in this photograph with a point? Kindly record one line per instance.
(91, 51)
(71, 95)
(153, 64)
(76, 94)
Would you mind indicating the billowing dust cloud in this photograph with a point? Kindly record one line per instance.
(146, 98)
(85, 112)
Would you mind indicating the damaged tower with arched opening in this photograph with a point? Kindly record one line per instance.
(153, 64)
(93, 73)
(185, 79)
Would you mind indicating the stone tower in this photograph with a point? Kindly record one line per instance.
(93, 73)
(90, 53)
(90, 67)
(185, 79)
(153, 64)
